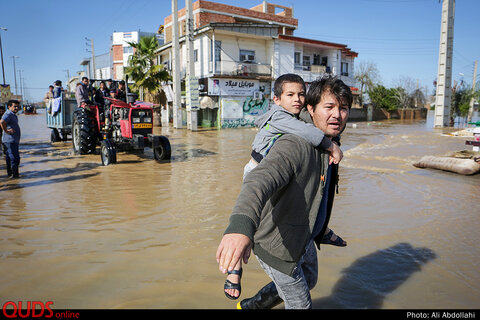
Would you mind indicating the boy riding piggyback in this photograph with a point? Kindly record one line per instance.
(289, 97)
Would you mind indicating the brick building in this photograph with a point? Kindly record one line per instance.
(120, 50)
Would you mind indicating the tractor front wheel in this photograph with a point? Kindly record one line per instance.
(108, 152)
(163, 151)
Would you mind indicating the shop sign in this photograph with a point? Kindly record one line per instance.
(232, 87)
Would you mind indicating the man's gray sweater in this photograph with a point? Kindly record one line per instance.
(279, 202)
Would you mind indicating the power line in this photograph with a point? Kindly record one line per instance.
(323, 36)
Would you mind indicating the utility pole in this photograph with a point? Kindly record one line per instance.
(444, 78)
(1, 53)
(177, 94)
(93, 76)
(68, 78)
(191, 83)
(15, 73)
(470, 109)
(21, 88)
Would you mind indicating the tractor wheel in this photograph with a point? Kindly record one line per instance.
(164, 150)
(107, 152)
(54, 135)
(84, 135)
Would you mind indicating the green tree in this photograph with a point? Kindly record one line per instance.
(461, 101)
(147, 76)
(382, 97)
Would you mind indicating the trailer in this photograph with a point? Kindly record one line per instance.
(59, 115)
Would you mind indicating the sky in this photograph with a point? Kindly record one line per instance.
(401, 37)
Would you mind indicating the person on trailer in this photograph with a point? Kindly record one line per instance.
(57, 89)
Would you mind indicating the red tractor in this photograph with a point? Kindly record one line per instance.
(124, 127)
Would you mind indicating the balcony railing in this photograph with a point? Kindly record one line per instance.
(312, 68)
(242, 68)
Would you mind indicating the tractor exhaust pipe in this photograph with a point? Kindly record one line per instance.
(131, 97)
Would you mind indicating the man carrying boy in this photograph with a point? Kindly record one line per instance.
(285, 203)
(11, 138)
(282, 118)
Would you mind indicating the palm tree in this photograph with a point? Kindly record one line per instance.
(142, 68)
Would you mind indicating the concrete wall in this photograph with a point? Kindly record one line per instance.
(361, 114)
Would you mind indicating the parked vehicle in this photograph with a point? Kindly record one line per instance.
(29, 109)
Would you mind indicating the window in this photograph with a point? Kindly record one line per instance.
(316, 59)
(218, 50)
(324, 61)
(344, 69)
(296, 58)
(195, 55)
(306, 63)
(215, 50)
(127, 50)
(306, 60)
(247, 55)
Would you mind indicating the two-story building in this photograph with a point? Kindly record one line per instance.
(239, 52)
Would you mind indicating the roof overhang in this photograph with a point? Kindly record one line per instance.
(343, 47)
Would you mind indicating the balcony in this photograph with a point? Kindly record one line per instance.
(242, 68)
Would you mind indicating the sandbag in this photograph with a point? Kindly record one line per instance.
(461, 166)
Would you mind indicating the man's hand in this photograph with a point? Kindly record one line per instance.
(336, 154)
(3, 126)
(232, 248)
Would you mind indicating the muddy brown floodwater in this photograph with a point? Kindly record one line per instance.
(143, 234)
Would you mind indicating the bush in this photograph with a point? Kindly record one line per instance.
(382, 97)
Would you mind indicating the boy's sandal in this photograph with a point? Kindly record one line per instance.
(338, 242)
(234, 286)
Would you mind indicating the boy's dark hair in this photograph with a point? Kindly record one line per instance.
(330, 84)
(288, 77)
(12, 102)
(83, 78)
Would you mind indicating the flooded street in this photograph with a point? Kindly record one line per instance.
(143, 234)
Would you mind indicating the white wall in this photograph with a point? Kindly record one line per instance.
(286, 59)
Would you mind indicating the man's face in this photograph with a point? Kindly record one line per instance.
(14, 107)
(330, 115)
(85, 82)
(292, 98)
